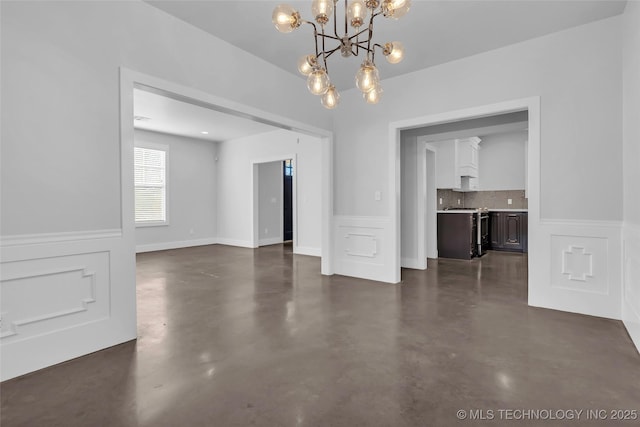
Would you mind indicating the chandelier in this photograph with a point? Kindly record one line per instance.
(356, 13)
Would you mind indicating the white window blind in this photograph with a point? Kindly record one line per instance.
(150, 185)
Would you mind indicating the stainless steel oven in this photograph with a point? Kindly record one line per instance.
(483, 231)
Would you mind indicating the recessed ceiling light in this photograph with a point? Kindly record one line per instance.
(204, 132)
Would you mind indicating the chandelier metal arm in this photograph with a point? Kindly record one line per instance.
(330, 37)
(332, 51)
(315, 34)
(287, 19)
(324, 51)
(357, 34)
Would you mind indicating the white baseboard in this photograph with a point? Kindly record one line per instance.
(234, 242)
(411, 263)
(302, 250)
(152, 247)
(270, 241)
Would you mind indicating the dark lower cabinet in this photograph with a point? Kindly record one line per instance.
(508, 231)
(457, 235)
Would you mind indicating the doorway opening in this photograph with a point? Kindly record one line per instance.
(287, 200)
(408, 132)
(275, 187)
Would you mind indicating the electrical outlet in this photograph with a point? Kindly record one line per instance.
(440, 200)
(377, 195)
(458, 201)
(191, 231)
(266, 231)
(509, 201)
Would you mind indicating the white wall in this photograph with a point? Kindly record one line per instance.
(60, 65)
(575, 72)
(234, 185)
(409, 158)
(631, 149)
(61, 149)
(501, 162)
(270, 206)
(573, 81)
(192, 194)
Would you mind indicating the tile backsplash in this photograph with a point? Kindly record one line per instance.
(482, 199)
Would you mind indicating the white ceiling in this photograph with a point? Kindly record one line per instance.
(175, 117)
(433, 32)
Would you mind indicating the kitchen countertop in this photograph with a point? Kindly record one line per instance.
(458, 211)
(476, 210)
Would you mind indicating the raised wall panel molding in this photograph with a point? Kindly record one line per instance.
(577, 264)
(580, 263)
(45, 295)
(10, 327)
(361, 244)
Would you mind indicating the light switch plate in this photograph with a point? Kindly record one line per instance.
(509, 201)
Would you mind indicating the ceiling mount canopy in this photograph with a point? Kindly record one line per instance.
(360, 40)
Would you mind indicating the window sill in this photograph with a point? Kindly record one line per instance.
(152, 224)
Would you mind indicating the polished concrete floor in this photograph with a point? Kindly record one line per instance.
(239, 337)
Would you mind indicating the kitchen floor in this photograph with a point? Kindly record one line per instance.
(236, 337)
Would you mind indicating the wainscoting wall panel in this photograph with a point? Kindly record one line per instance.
(580, 263)
(576, 266)
(631, 274)
(59, 292)
(362, 247)
(64, 296)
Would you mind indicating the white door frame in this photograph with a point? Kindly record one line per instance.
(254, 203)
(532, 105)
(130, 79)
(429, 247)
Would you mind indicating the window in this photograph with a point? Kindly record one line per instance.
(288, 167)
(150, 186)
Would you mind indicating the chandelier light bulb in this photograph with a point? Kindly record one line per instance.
(285, 18)
(396, 9)
(367, 77)
(306, 64)
(357, 39)
(374, 95)
(357, 13)
(330, 98)
(322, 10)
(318, 81)
(393, 52)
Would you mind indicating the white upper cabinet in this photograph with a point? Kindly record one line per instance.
(457, 164)
(468, 156)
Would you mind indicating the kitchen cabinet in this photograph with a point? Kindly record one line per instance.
(457, 235)
(468, 156)
(457, 164)
(508, 231)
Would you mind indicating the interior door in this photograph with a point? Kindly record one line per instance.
(287, 170)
